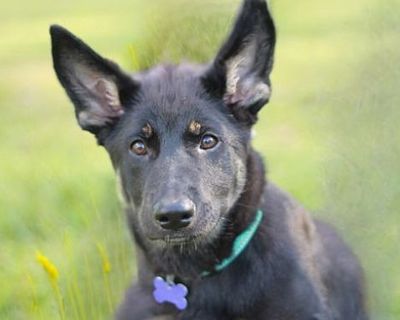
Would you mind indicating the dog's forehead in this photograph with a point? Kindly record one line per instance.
(174, 94)
(169, 84)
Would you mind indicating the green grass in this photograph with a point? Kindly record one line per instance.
(330, 137)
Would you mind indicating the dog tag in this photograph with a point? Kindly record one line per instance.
(168, 291)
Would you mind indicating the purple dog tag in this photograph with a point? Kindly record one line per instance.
(170, 292)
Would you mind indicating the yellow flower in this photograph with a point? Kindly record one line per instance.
(49, 267)
(52, 274)
(104, 257)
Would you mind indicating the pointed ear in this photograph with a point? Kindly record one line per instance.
(240, 72)
(96, 86)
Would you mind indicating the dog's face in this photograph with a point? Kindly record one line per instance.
(180, 156)
(178, 136)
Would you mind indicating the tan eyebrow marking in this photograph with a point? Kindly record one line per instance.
(195, 128)
(147, 131)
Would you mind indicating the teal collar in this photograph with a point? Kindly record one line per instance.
(239, 244)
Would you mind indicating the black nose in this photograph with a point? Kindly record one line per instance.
(174, 215)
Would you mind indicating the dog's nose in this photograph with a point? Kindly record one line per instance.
(174, 215)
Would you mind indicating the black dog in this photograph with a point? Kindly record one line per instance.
(215, 241)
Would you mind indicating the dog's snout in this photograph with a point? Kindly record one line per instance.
(174, 215)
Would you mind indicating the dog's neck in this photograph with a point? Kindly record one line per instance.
(243, 212)
(246, 206)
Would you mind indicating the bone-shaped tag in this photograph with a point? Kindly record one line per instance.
(170, 292)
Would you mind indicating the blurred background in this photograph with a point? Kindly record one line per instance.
(330, 137)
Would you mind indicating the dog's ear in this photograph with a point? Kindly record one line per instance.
(96, 86)
(240, 72)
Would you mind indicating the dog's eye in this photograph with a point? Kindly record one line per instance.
(138, 147)
(208, 141)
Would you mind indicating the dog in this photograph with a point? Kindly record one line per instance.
(214, 239)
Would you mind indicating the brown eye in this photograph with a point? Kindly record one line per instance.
(138, 147)
(208, 141)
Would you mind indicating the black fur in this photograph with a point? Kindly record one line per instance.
(293, 268)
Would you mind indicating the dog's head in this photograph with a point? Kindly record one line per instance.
(178, 136)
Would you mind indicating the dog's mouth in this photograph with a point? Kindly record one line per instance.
(187, 239)
(175, 240)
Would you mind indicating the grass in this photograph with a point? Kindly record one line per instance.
(330, 137)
